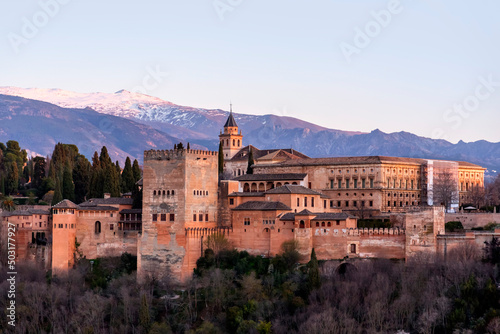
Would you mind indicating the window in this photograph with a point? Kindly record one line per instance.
(173, 193)
(155, 217)
(298, 201)
(163, 217)
(110, 227)
(371, 183)
(200, 217)
(312, 202)
(353, 248)
(324, 204)
(206, 217)
(246, 222)
(339, 204)
(337, 222)
(355, 203)
(322, 224)
(301, 224)
(317, 224)
(355, 183)
(347, 183)
(61, 226)
(371, 203)
(305, 201)
(340, 183)
(329, 224)
(97, 227)
(172, 217)
(331, 184)
(363, 183)
(194, 217)
(231, 201)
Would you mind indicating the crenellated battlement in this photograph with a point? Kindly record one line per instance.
(175, 154)
(317, 231)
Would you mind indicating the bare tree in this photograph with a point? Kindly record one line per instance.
(445, 188)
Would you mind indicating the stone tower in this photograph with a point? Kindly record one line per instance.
(179, 195)
(231, 139)
(63, 235)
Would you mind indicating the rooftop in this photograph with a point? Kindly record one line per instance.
(261, 206)
(272, 177)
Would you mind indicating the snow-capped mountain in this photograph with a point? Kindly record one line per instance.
(202, 127)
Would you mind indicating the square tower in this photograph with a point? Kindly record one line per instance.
(179, 193)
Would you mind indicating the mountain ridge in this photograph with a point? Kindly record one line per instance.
(202, 126)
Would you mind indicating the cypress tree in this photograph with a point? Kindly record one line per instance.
(313, 278)
(250, 162)
(188, 147)
(127, 177)
(12, 177)
(81, 178)
(68, 188)
(221, 159)
(136, 170)
(96, 179)
(57, 193)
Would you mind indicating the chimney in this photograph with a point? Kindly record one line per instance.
(107, 195)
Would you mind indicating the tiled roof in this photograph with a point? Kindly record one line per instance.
(246, 194)
(293, 189)
(230, 121)
(271, 177)
(290, 216)
(304, 212)
(362, 160)
(98, 208)
(262, 206)
(65, 204)
(25, 212)
(242, 154)
(332, 216)
(108, 201)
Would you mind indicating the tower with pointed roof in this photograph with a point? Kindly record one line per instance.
(231, 139)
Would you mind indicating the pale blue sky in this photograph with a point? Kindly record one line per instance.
(282, 57)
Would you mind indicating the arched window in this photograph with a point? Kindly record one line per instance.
(227, 142)
(154, 192)
(246, 188)
(329, 224)
(168, 193)
(317, 224)
(163, 192)
(238, 142)
(97, 227)
(234, 142)
(322, 224)
(194, 192)
(302, 224)
(173, 193)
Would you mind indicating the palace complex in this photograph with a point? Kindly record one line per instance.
(315, 201)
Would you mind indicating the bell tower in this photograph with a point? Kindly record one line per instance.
(231, 139)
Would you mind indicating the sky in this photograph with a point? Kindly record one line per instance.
(428, 67)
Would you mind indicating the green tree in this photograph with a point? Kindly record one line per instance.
(144, 315)
(96, 178)
(136, 170)
(38, 171)
(2, 185)
(250, 162)
(8, 204)
(57, 193)
(127, 177)
(68, 188)
(313, 278)
(81, 178)
(12, 177)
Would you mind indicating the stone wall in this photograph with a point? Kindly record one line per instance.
(470, 220)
